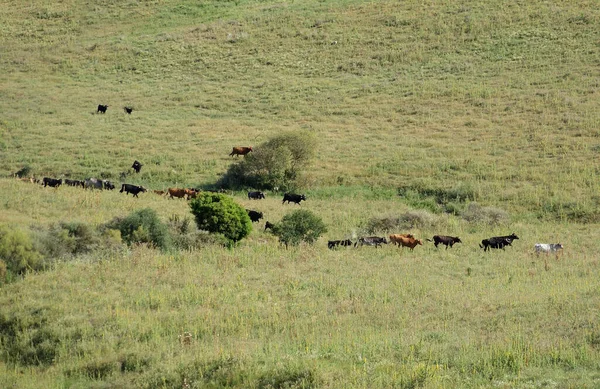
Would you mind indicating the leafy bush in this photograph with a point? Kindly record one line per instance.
(475, 213)
(298, 226)
(17, 252)
(276, 163)
(217, 213)
(142, 226)
(68, 239)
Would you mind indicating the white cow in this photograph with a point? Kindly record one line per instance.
(547, 248)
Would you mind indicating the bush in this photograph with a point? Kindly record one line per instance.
(276, 164)
(475, 213)
(217, 213)
(67, 239)
(298, 226)
(407, 220)
(17, 252)
(186, 236)
(142, 226)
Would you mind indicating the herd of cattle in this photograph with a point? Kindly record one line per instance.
(402, 240)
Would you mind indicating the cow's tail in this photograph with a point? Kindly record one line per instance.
(429, 240)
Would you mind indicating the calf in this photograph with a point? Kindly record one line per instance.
(137, 166)
(102, 108)
(74, 182)
(294, 198)
(269, 225)
(371, 241)
(498, 242)
(254, 215)
(241, 150)
(108, 185)
(445, 240)
(51, 182)
(133, 189)
(547, 248)
(256, 195)
(334, 243)
(128, 110)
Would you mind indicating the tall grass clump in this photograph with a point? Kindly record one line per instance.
(142, 226)
(475, 213)
(219, 214)
(406, 220)
(275, 164)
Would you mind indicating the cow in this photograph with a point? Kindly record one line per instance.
(498, 242)
(74, 182)
(334, 243)
(269, 225)
(176, 192)
(547, 248)
(411, 242)
(256, 195)
(255, 216)
(93, 183)
(240, 150)
(445, 240)
(137, 166)
(102, 108)
(294, 198)
(128, 110)
(133, 189)
(371, 241)
(51, 182)
(396, 238)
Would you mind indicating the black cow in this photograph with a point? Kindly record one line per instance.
(334, 243)
(269, 225)
(254, 215)
(371, 241)
(256, 195)
(108, 185)
(445, 240)
(294, 198)
(51, 182)
(74, 182)
(102, 108)
(133, 189)
(128, 110)
(498, 242)
(137, 166)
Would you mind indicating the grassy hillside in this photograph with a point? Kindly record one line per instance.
(416, 106)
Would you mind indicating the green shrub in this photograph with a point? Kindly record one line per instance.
(407, 220)
(218, 213)
(142, 226)
(298, 226)
(17, 252)
(68, 239)
(276, 163)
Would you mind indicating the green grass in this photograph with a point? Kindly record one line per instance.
(415, 106)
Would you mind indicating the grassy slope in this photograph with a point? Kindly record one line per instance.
(501, 98)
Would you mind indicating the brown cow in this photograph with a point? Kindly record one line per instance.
(160, 192)
(408, 242)
(191, 193)
(176, 192)
(241, 150)
(395, 238)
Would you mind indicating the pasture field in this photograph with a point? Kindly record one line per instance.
(428, 108)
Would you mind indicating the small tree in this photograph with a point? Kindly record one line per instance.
(298, 226)
(17, 252)
(217, 213)
(276, 163)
